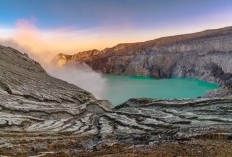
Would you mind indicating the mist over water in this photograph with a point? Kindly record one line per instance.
(82, 76)
(117, 89)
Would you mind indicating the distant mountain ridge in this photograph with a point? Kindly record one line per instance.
(156, 42)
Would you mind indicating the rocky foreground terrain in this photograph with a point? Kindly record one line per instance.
(43, 116)
(205, 55)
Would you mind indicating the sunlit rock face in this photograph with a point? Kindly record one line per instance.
(199, 55)
(61, 59)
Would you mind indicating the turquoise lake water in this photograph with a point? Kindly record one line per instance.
(121, 88)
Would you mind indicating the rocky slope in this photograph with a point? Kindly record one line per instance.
(44, 116)
(205, 55)
(33, 101)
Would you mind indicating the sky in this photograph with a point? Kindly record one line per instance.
(49, 27)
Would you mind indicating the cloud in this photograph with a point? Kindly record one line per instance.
(45, 44)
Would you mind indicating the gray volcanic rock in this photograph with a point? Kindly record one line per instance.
(204, 55)
(31, 100)
(154, 120)
(43, 116)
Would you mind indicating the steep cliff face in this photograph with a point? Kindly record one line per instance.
(191, 55)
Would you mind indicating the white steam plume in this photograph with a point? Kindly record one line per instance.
(82, 76)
